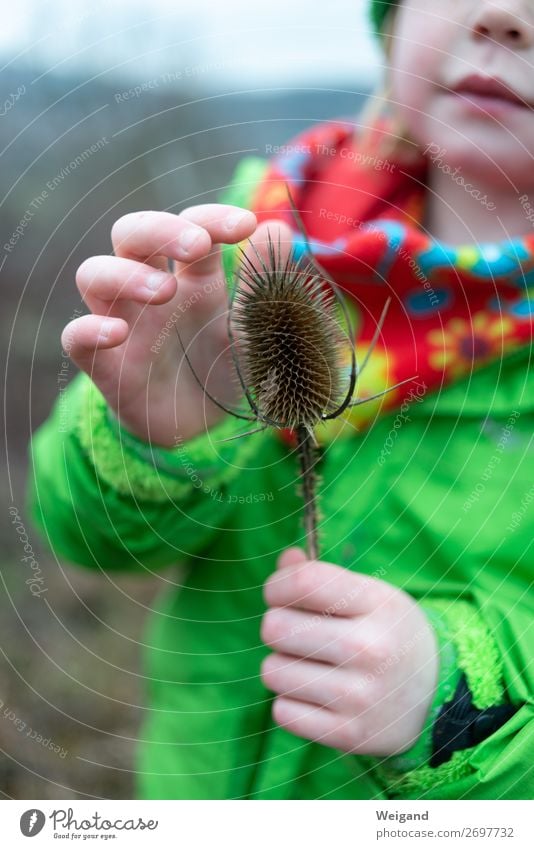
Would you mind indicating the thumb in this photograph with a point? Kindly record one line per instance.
(291, 557)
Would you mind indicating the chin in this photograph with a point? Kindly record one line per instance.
(490, 153)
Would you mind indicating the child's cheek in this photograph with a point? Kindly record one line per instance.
(413, 75)
(423, 46)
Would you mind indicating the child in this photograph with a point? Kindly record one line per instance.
(399, 665)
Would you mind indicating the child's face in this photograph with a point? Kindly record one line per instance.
(436, 44)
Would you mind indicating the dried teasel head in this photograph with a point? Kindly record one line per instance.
(291, 343)
(292, 351)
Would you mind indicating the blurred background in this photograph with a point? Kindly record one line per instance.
(107, 108)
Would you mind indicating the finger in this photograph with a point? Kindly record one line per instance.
(319, 586)
(111, 279)
(258, 244)
(333, 639)
(316, 723)
(290, 557)
(188, 237)
(310, 681)
(89, 341)
(273, 231)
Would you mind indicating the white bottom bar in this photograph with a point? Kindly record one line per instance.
(269, 824)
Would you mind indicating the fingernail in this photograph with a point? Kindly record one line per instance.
(187, 239)
(155, 281)
(268, 663)
(105, 330)
(235, 219)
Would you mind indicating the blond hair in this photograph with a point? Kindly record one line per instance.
(397, 144)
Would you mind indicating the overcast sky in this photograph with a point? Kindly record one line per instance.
(222, 42)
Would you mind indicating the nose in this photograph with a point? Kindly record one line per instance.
(504, 24)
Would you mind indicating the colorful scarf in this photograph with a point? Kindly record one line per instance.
(453, 309)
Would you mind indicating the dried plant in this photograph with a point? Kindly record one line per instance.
(291, 344)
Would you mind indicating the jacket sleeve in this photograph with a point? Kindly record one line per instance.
(499, 765)
(105, 499)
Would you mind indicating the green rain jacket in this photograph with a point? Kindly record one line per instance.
(448, 518)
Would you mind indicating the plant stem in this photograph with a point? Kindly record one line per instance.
(307, 459)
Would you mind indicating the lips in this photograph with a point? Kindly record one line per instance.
(492, 88)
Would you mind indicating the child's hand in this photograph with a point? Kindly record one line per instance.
(132, 297)
(355, 662)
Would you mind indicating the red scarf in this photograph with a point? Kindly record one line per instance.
(453, 309)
